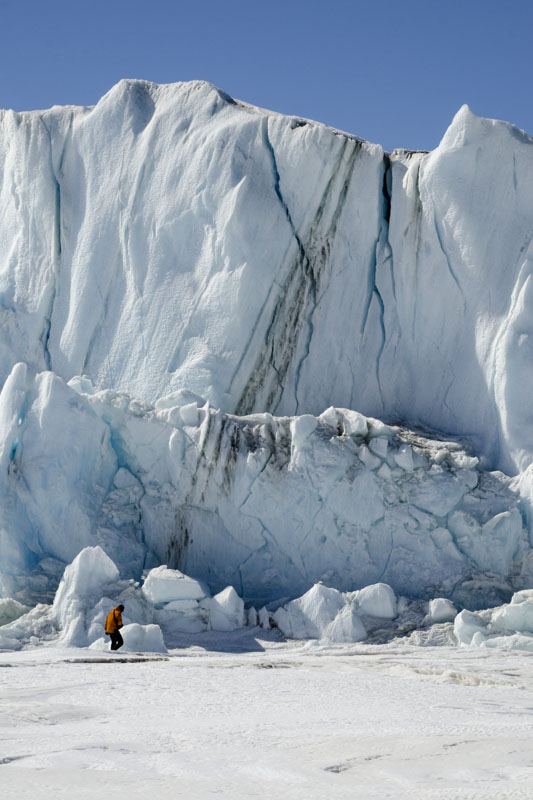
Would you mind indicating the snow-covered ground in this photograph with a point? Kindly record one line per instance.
(244, 715)
(207, 697)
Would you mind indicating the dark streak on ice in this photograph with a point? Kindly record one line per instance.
(298, 297)
(45, 335)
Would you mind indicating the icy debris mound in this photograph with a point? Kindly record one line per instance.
(143, 638)
(309, 616)
(84, 583)
(29, 630)
(329, 615)
(226, 611)
(89, 589)
(280, 502)
(441, 610)
(137, 639)
(373, 613)
(378, 600)
(10, 610)
(184, 605)
(508, 627)
(182, 616)
(163, 585)
(171, 604)
(261, 618)
(179, 602)
(468, 623)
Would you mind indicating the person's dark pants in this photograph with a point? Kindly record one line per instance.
(116, 640)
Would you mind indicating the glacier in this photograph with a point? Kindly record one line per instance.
(263, 351)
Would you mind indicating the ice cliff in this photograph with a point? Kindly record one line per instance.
(172, 244)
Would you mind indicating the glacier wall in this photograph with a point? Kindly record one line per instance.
(268, 504)
(172, 237)
(218, 275)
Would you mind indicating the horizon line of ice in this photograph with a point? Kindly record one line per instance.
(153, 86)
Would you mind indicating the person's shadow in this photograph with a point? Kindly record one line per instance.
(243, 640)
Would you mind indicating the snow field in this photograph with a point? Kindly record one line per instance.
(269, 718)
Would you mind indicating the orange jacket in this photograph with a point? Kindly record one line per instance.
(113, 621)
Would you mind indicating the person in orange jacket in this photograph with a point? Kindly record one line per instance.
(113, 624)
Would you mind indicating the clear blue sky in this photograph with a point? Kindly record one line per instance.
(392, 72)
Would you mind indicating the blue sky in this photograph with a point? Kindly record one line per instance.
(392, 72)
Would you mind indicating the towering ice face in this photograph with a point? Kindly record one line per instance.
(172, 237)
(172, 244)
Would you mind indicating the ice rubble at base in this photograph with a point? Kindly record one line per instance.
(270, 505)
(170, 602)
(11, 610)
(510, 626)
(170, 586)
(441, 610)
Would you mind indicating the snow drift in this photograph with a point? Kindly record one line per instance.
(172, 251)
